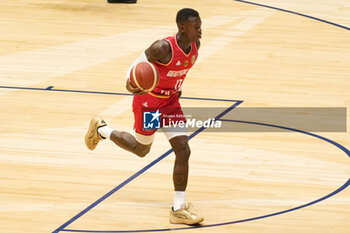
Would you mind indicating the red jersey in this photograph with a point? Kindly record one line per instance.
(174, 72)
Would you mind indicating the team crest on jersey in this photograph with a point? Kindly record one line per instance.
(186, 63)
(193, 59)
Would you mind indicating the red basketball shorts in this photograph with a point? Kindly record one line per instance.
(145, 109)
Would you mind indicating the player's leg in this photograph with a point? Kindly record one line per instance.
(180, 211)
(139, 145)
(182, 152)
(98, 130)
(178, 139)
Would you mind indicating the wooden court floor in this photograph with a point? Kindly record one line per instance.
(63, 62)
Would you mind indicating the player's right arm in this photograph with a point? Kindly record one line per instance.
(159, 51)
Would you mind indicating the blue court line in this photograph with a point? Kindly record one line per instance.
(131, 178)
(295, 13)
(344, 186)
(291, 129)
(51, 88)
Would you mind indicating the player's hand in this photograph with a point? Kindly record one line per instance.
(134, 90)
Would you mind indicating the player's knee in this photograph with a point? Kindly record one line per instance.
(187, 151)
(183, 151)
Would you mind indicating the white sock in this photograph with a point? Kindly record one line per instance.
(105, 131)
(179, 199)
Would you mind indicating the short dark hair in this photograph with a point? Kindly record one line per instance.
(185, 13)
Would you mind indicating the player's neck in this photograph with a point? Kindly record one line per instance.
(183, 42)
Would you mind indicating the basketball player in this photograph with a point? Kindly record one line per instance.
(173, 57)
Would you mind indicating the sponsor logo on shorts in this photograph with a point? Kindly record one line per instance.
(151, 120)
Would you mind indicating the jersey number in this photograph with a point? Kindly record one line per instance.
(178, 84)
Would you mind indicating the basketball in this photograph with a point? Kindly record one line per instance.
(145, 76)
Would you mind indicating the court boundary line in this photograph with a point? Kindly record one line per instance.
(51, 88)
(295, 13)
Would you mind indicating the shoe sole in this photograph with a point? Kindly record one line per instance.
(175, 220)
(91, 133)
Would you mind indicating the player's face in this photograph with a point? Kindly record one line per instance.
(193, 29)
